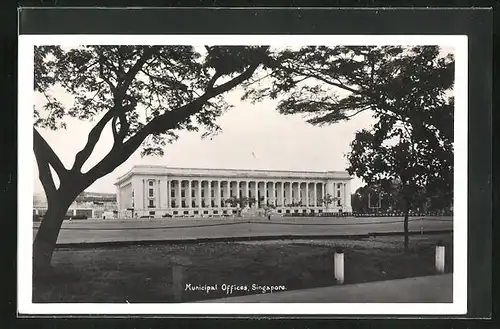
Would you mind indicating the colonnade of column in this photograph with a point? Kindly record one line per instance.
(213, 193)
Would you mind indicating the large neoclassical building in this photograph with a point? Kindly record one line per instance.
(158, 190)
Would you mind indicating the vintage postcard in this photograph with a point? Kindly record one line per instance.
(256, 174)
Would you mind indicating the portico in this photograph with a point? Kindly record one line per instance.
(156, 190)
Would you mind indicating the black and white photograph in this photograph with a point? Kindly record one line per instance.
(286, 173)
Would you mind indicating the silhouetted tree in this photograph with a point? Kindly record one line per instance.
(144, 94)
(407, 90)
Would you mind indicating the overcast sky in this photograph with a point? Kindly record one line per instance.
(253, 137)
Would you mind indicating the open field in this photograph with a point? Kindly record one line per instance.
(95, 231)
(144, 273)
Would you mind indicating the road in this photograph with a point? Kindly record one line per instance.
(427, 289)
(95, 231)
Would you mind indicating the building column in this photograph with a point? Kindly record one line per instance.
(198, 194)
(344, 196)
(330, 189)
(179, 194)
(282, 193)
(159, 204)
(217, 193)
(118, 199)
(272, 193)
(315, 195)
(189, 195)
(208, 194)
(307, 194)
(289, 199)
(226, 189)
(265, 194)
(348, 197)
(144, 205)
(256, 192)
(168, 193)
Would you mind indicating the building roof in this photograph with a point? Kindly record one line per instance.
(231, 173)
(95, 196)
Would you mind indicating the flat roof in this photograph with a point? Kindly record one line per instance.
(231, 173)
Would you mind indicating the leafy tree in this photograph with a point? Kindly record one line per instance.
(145, 94)
(332, 84)
(406, 89)
(361, 200)
(295, 204)
(408, 160)
(327, 200)
(240, 203)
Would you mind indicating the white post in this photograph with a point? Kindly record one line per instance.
(338, 266)
(440, 252)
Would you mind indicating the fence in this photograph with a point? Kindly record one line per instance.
(375, 214)
(321, 214)
(401, 214)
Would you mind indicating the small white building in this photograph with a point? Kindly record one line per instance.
(159, 190)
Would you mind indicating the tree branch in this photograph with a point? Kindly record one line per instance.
(132, 72)
(94, 136)
(42, 149)
(211, 82)
(46, 158)
(112, 87)
(45, 175)
(119, 153)
(119, 92)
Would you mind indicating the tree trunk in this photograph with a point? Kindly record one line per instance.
(407, 210)
(46, 237)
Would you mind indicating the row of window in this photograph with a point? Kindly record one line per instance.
(193, 204)
(151, 194)
(212, 194)
(193, 192)
(173, 204)
(228, 212)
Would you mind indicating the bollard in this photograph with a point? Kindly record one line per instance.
(440, 252)
(178, 265)
(338, 266)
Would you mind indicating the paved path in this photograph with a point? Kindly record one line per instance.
(95, 231)
(435, 289)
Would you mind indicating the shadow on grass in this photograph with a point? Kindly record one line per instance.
(143, 274)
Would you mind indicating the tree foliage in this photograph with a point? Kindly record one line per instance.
(327, 200)
(145, 94)
(331, 84)
(406, 89)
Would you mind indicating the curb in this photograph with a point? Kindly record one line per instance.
(104, 244)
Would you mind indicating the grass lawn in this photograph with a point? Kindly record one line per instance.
(144, 273)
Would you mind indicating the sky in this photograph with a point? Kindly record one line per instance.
(254, 136)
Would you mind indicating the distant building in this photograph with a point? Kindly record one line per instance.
(159, 190)
(89, 204)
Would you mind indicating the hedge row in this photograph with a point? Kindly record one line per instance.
(38, 218)
(400, 214)
(346, 214)
(321, 214)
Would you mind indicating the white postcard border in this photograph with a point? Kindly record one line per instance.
(25, 180)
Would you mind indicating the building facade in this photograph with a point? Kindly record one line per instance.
(158, 190)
